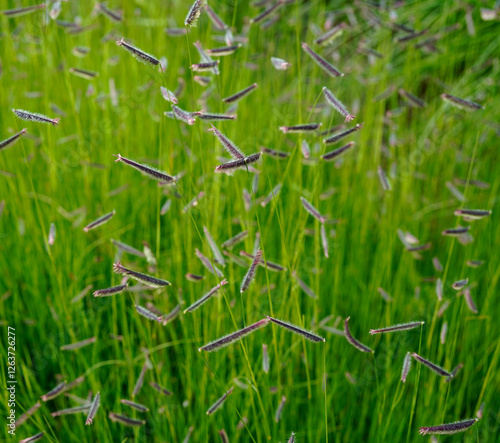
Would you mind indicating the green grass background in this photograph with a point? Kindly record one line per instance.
(422, 149)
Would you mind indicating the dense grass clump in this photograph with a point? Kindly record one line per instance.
(385, 174)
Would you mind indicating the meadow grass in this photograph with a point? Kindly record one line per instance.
(66, 175)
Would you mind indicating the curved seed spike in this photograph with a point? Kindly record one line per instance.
(228, 145)
(279, 410)
(328, 36)
(267, 12)
(412, 36)
(456, 232)
(194, 13)
(235, 336)
(219, 259)
(444, 331)
(147, 313)
(386, 185)
(138, 54)
(160, 389)
(280, 64)
(473, 214)
(100, 221)
(299, 129)
(205, 66)
(304, 286)
(241, 94)
(83, 73)
(337, 105)
(18, 12)
(251, 272)
(112, 15)
(460, 284)
(275, 267)
(398, 328)
(216, 117)
(22, 419)
(78, 344)
(439, 289)
(332, 155)
(461, 103)
(11, 140)
(149, 171)
(124, 420)
(182, 115)
(470, 302)
(172, 315)
(110, 291)
(331, 70)
(168, 95)
(265, 359)
(93, 409)
(219, 402)
(297, 330)
(70, 411)
(454, 372)
(352, 340)
(215, 19)
(406, 367)
(235, 240)
(275, 153)
(450, 428)
(194, 277)
(324, 240)
(413, 100)
(238, 164)
(59, 389)
(223, 51)
(143, 278)
(34, 117)
(312, 210)
(205, 297)
(385, 295)
(134, 405)
(208, 265)
(140, 380)
(127, 248)
(337, 137)
(34, 438)
(223, 436)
